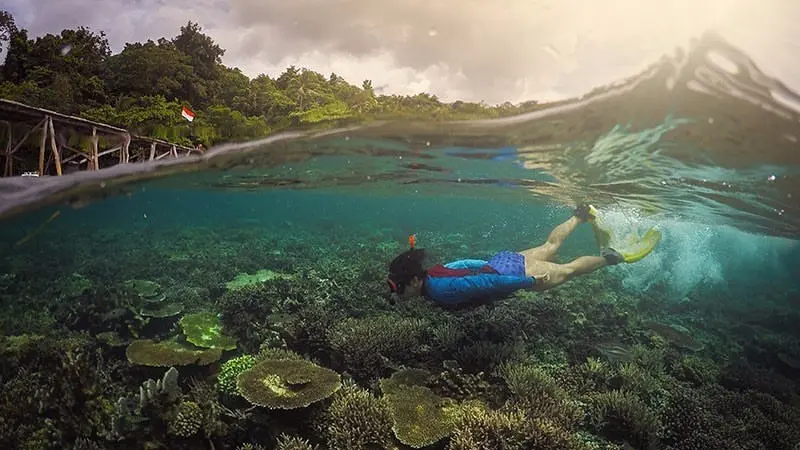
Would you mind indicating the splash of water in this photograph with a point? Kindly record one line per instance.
(694, 258)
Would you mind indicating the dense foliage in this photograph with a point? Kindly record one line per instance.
(143, 87)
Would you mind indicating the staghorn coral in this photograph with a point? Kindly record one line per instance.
(147, 352)
(204, 329)
(477, 427)
(187, 420)
(696, 370)
(286, 442)
(632, 378)
(367, 343)
(534, 389)
(488, 355)
(356, 419)
(620, 416)
(206, 395)
(454, 383)
(230, 369)
(266, 352)
(249, 446)
(287, 384)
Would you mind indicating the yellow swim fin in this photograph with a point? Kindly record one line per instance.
(642, 247)
(632, 248)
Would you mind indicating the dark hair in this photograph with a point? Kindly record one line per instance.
(405, 267)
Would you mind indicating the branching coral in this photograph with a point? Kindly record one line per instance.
(187, 420)
(286, 442)
(230, 369)
(287, 384)
(534, 389)
(454, 383)
(367, 343)
(622, 417)
(356, 420)
(477, 427)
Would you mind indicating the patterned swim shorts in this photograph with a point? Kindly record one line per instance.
(508, 263)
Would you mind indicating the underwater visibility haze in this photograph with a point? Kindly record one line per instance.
(238, 299)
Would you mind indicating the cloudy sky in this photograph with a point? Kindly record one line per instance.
(490, 50)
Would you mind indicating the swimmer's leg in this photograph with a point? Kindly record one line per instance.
(557, 274)
(548, 250)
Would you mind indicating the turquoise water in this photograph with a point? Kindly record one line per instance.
(695, 346)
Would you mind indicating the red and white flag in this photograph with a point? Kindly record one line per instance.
(187, 114)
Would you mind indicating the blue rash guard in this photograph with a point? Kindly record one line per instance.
(476, 280)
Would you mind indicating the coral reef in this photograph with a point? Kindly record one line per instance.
(320, 359)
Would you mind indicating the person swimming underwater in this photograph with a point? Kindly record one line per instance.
(474, 281)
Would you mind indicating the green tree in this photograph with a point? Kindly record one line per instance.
(149, 69)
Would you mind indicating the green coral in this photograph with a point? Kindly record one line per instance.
(226, 379)
(147, 352)
(204, 329)
(420, 417)
(249, 446)
(367, 343)
(287, 384)
(356, 419)
(696, 370)
(187, 420)
(244, 279)
(621, 416)
(477, 427)
(274, 353)
(535, 389)
(286, 442)
(145, 289)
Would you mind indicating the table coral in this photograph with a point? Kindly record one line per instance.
(146, 352)
(287, 384)
(204, 329)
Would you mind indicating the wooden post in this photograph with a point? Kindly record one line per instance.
(126, 155)
(56, 154)
(95, 157)
(41, 146)
(174, 151)
(9, 158)
(152, 150)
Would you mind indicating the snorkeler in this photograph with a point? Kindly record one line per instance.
(471, 281)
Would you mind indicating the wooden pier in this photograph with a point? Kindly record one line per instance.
(55, 134)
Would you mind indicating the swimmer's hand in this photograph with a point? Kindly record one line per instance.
(541, 279)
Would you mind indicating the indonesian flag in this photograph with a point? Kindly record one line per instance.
(187, 114)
